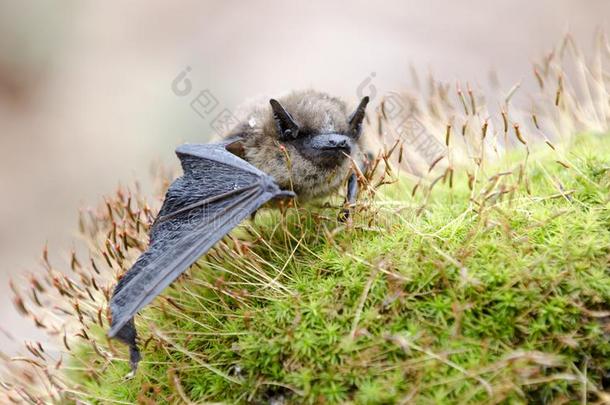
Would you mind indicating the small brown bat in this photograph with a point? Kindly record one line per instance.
(301, 145)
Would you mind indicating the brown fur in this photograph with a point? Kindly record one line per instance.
(314, 112)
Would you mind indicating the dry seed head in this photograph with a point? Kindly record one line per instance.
(435, 162)
(535, 120)
(35, 297)
(518, 134)
(564, 164)
(470, 181)
(511, 93)
(539, 78)
(462, 98)
(20, 305)
(504, 120)
(473, 104)
(400, 152)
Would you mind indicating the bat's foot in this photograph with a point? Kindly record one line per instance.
(127, 334)
(134, 360)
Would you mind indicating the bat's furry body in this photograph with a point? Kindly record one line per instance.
(300, 147)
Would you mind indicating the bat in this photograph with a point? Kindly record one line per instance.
(300, 146)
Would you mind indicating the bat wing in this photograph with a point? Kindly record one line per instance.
(217, 191)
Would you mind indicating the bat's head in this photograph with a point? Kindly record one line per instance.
(304, 140)
(318, 129)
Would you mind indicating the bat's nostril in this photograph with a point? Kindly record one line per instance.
(331, 141)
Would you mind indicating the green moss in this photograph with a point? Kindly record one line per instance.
(470, 297)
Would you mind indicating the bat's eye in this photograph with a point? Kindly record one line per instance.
(290, 133)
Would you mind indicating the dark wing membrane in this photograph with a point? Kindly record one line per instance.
(217, 191)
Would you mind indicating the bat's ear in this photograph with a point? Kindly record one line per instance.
(286, 126)
(355, 120)
(237, 148)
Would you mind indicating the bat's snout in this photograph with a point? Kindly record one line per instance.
(332, 142)
(341, 144)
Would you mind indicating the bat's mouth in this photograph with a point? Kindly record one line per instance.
(340, 148)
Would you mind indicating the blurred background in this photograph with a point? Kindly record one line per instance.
(86, 97)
